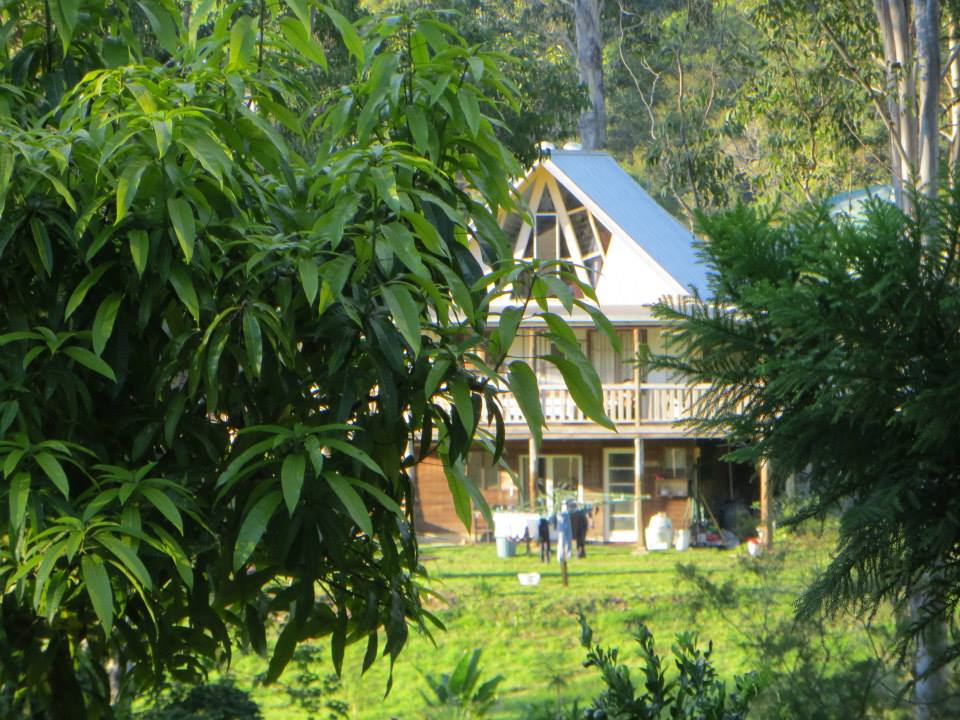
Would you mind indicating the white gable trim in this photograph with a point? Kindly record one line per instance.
(611, 225)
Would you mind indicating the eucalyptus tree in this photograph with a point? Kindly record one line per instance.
(238, 305)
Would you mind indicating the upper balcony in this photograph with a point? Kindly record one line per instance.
(656, 408)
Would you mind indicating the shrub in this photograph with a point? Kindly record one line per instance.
(697, 693)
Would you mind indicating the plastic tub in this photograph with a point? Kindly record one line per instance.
(506, 547)
(683, 540)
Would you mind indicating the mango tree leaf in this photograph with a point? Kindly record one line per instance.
(242, 44)
(461, 498)
(302, 10)
(471, 109)
(253, 526)
(19, 493)
(104, 321)
(252, 341)
(347, 31)
(126, 555)
(97, 583)
(300, 40)
(128, 184)
(41, 239)
(65, 14)
(585, 393)
(83, 287)
(463, 402)
(309, 278)
(184, 226)
(163, 26)
(183, 286)
(523, 384)
(54, 470)
(351, 501)
(405, 313)
(165, 505)
(291, 480)
(139, 249)
(90, 361)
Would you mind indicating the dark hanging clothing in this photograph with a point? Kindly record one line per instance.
(579, 524)
(543, 533)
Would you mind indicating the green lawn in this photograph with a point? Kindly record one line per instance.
(530, 634)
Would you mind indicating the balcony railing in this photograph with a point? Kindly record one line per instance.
(625, 404)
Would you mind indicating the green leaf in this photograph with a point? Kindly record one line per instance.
(291, 480)
(97, 584)
(242, 44)
(104, 321)
(253, 527)
(463, 402)
(42, 242)
(163, 131)
(309, 278)
(164, 505)
(471, 109)
(437, 372)
(302, 10)
(405, 313)
(347, 31)
(90, 361)
(19, 493)
(54, 470)
(162, 24)
(300, 40)
(183, 286)
(126, 555)
(65, 14)
(181, 215)
(128, 184)
(351, 501)
(139, 249)
(356, 453)
(523, 384)
(586, 393)
(83, 287)
(417, 122)
(461, 497)
(252, 341)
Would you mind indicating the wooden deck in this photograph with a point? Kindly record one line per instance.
(654, 408)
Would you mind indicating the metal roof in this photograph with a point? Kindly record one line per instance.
(599, 177)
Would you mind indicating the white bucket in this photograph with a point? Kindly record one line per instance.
(659, 533)
(754, 548)
(683, 540)
(529, 578)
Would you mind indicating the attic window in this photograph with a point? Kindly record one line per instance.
(561, 228)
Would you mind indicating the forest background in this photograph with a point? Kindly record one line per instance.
(707, 102)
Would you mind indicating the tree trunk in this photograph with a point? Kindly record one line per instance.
(927, 24)
(931, 690)
(912, 62)
(593, 121)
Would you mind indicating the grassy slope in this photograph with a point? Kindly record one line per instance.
(530, 634)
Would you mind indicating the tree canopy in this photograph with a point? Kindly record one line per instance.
(236, 292)
(831, 348)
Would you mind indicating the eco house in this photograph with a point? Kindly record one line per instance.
(586, 209)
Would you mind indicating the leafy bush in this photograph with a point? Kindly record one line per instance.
(460, 695)
(695, 694)
(809, 671)
(216, 701)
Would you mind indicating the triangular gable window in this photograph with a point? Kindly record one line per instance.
(562, 229)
